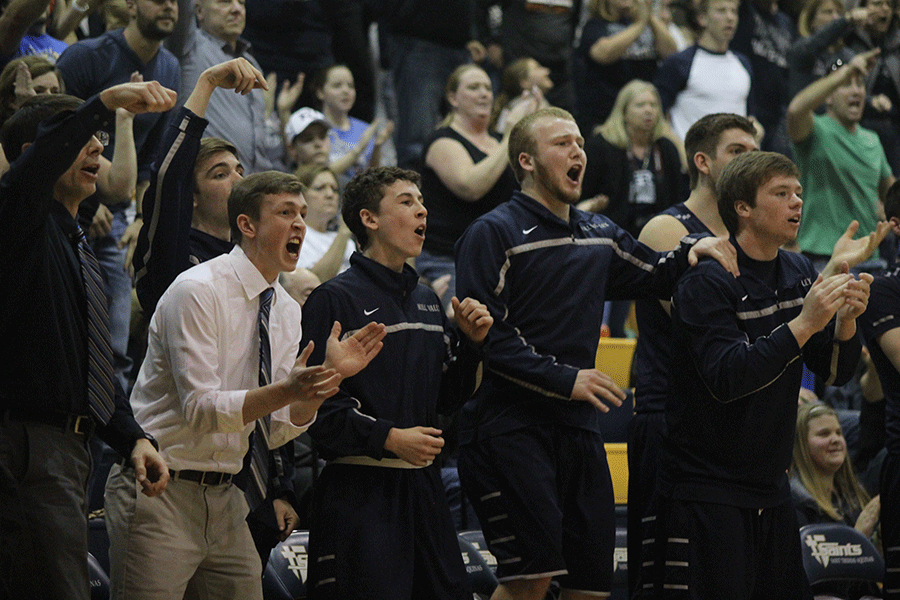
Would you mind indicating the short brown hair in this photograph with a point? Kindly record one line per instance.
(208, 148)
(365, 191)
(521, 138)
(22, 126)
(742, 178)
(308, 173)
(248, 193)
(704, 135)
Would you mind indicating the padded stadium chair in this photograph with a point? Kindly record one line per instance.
(98, 542)
(620, 566)
(98, 578)
(476, 538)
(617, 458)
(476, 560)
(614, 357)
(285, 575)
(840, 562)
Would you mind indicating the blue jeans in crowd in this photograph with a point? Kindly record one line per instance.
(421, 69)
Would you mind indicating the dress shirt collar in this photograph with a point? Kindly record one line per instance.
(251, 280)
(241, 46)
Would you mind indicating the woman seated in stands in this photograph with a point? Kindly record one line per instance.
(823, 485)
(466, 171)
(328, 245)
(521, 76)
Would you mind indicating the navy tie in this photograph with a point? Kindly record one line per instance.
(259, 457)
(100, 371)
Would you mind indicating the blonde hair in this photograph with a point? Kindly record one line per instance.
(845, 486)
(804, 21)
(614, 128)
(452, 86)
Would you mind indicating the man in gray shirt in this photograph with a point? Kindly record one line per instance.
(213, 37)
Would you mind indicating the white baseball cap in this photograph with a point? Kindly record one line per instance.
(302, 119)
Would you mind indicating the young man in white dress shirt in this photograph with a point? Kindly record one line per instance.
(199, 392)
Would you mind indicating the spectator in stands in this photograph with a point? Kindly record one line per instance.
(823, 486)
(707, 77)
(238, 118)
(519, 77)
(764, 35)
(325, 252)
(622, 41)
(465, 171)
(545, 31)
(336, 92)
(306, 136)
(34, 40)
(632, 160)
(822, 26)
(59, 386)
(39, 77)
(882, 110)
(723, 497)
(426, 41)
(633, 169)
(531, 457)
(289, 37)
(308, 143)
(299, 283)
(88, 67)
(844, 171)
(711, 143)
(381, 526)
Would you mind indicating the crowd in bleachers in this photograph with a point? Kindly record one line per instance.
(201, 107)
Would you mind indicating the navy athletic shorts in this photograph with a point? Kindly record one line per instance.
(383, 533)
(544, 498)
(704, 550)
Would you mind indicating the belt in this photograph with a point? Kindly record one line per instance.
(208, 478)
(367, 461)
(77, 424)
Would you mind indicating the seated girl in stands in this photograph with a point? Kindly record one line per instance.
(326, 250)
(335, 89)
(823, 484)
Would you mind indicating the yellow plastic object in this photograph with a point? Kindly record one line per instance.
(617, 457)
(614, 356)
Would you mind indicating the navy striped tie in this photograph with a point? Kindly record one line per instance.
(100, 371)
(259, 458)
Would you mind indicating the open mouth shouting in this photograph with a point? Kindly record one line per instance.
(574, 174)
(420, 231)
(293, 247)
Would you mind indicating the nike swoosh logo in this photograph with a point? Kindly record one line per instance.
(369, 312)
(744, 298)
(527, 231)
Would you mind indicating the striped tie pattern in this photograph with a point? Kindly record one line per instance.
(100, 371)
(259, 457)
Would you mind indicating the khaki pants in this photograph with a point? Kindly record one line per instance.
(192, 541)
